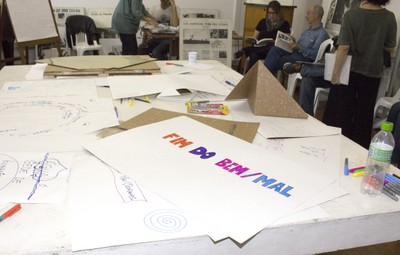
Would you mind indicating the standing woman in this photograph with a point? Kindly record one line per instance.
(126, 20)
(366, 32)
(267, 28)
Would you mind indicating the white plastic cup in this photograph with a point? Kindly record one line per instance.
(192, 56)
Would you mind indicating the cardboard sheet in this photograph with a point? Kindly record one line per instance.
(243, 130)
(100, 65)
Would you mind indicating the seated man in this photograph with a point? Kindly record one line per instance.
(166, 13)
(312, 77)
(306, 48)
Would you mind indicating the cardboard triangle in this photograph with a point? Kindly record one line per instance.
(265, 95)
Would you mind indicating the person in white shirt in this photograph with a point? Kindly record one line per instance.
(166, 13)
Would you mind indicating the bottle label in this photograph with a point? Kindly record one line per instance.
(380, 155)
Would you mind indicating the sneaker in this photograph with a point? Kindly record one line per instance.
(290, 68)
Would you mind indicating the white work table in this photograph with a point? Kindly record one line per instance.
(354, 220)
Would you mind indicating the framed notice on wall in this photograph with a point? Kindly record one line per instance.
(336, 12)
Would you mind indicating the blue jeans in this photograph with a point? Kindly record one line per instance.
(394, 117)
(312, 78)
(307, 92)
(277, 57)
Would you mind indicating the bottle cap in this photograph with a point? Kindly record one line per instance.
(387, 126)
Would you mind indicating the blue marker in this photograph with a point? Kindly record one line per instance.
(346, 166)
(116, 111)
(230, 83)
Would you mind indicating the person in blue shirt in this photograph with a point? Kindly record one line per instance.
(306, 48)
(126, 20)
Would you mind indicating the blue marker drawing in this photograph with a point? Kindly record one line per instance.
(39, 176)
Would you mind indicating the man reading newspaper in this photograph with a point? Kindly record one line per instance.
(307, 46)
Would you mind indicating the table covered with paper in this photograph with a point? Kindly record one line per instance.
(97, 171)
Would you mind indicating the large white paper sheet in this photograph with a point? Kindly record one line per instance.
(133, 86)
(34, 177)
(319, 153)
(129, 213)
(36, 72)
(52, 116)
(205, 172)
(278, 127)
(50, 88)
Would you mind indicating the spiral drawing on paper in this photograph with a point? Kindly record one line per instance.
(165, 221)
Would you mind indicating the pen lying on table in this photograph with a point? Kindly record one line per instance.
(169, 63)
(10, 212)
(142, 100)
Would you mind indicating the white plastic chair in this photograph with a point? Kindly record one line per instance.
(385, 103)
(295, 77)
(81, 45)
(319, 93)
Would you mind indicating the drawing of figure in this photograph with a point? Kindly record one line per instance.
(341, 7)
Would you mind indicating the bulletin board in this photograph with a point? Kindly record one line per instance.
(33, 23)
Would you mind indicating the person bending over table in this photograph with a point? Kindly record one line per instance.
(165, 13)
(306, 48)
(126, 19)
(266, 28)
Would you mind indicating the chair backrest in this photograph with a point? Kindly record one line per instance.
(397, 95)
(80, 38)
(75, 24)
(324, 48)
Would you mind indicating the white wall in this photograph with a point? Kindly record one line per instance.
(227, 7)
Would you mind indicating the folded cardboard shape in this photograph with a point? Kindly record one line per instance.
(265, 95)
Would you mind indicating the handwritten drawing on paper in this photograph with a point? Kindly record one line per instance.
(139, 220)
(126, 187)
(34, 177)
(35, 117)
(166, 221)
(216, 161)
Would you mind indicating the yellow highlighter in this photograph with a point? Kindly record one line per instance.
(358, 173)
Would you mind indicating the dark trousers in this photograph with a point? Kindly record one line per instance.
(256, 53)
(8, 51)
(129, 44)
(351, 107)
(394, 117)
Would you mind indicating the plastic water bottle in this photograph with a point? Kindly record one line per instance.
(378, 160)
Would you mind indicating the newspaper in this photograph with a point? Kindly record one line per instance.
(284, 41)
(210, 38)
